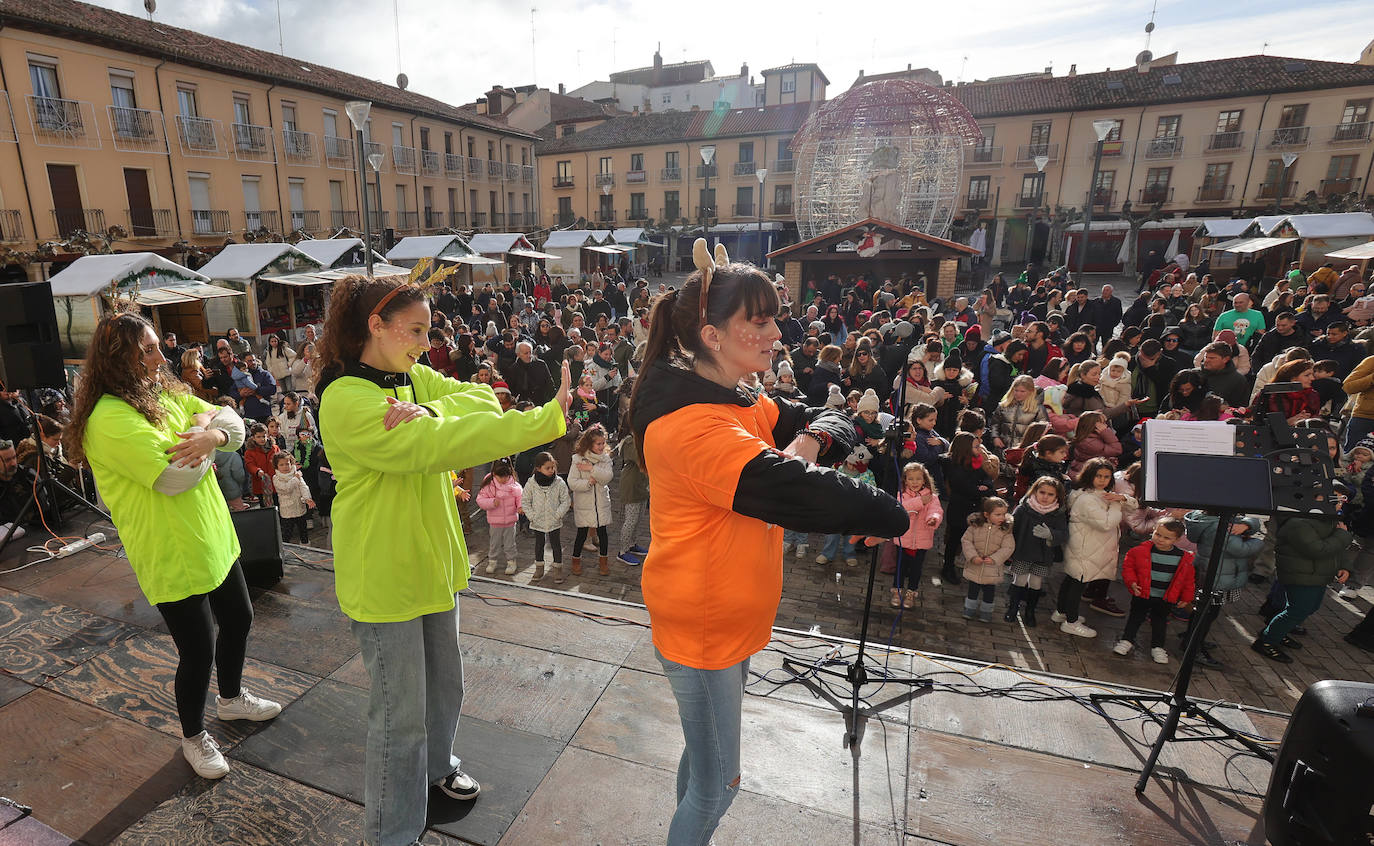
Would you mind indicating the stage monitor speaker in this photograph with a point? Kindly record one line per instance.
(259, 533)
(1321, 792)
(30, 348)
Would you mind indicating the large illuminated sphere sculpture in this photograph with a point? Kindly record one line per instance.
(889, 149)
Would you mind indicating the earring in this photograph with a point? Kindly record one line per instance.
(717, 348)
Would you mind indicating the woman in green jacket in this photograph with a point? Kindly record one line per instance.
(394, 429)
(1308, 554)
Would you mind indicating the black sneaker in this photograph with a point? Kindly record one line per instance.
(1272, 652)
(459, 785)
(1205, 659)
(1290, 642)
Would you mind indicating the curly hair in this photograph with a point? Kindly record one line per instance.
(588, 437)
(350, 307)
(114, 365)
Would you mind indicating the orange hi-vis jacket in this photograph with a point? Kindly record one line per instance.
(720, 495)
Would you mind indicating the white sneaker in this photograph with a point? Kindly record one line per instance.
(1076, 628)
(801, 550)
(1123, 647)
(510, 568)
(202, 753)
(786, 548)
(491, 565)
(1057, 617)
(1160, 655)
(851, 562)
(821, 559)
(246, 706)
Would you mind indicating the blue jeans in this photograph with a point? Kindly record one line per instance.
(412, 718)
(1303, 602)
(708, 704)
(1356, 428)
(791, 538)
(833, 543)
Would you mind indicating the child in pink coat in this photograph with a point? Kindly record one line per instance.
(922, 505)
(1093, 438)
(500, 497)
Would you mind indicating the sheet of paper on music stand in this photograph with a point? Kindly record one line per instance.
(1195, 437)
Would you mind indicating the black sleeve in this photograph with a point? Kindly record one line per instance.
(794, 416)
(794, 494)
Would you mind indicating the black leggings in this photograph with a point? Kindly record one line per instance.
(1070, 597)
(909, 564)
(555, 545)
(192, 624)
(603, 540)
(987, 592)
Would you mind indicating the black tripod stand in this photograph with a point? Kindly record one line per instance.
(46, 489)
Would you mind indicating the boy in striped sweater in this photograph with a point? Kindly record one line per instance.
(1159, 576)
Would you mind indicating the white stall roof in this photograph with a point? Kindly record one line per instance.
(1247, 246)
(1123, 225)
(244, 261)
(1224, 227)
(183, 292)
(533, 254)
(90, 274)
(569, 238)
(1223, 246)
(471, 260)
(417, 247)
(498, 242)
(1344, 225)
(329, 277)
(1359, 252)
(326, 251)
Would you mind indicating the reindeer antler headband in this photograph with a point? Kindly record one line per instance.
(417, 274)
(701, 256)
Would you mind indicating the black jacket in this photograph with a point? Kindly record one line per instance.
(1038, 550)
(1346, 354)
(821, 380)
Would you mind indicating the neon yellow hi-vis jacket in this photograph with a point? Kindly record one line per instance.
(398, 545)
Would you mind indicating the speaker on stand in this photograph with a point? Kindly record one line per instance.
(30, 348)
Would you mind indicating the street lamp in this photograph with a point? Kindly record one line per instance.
(708, 154)
(761, 174)
(1288, 159)
(374, 160)
(1102, 128)
(357, 115)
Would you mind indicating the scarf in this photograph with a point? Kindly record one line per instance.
(1041, 509)
(544, 481)
(1082, 389)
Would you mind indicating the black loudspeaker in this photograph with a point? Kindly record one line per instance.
(1321, 792)
(259, 531)
(30, 349)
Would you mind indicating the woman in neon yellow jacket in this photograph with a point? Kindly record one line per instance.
(394, 429)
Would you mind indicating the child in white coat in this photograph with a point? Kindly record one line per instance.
(293, 498)
(1095, 512)
(546, 503)
(589, 480)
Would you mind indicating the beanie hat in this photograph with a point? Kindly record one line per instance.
(501, 388)
(817, 325)
(491, 329)
(869, 401)
(974, 333)
(834, 399)
(1121, 358)
(954, 361)
(785, 369)
(1367, 443)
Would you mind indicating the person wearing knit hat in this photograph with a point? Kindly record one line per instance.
(954, 361)
(868, 402)
(835, 398)
(785, 369)
(974, 333)
(787, 380)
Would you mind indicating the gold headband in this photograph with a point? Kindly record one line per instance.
(701, 256)
(417, 280)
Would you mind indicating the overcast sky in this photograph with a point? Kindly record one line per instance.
(457, 51)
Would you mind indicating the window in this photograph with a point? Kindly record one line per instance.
(1354, 121)
(1217, 175)
(1032, 188)
(606, 207)
(1275, 180)
(672, 209)
(1039, 138)
(1156, 188)
(122, 90)
(565, 210)
(1112, 145)
(448, 145)
(288, 117)
(746, 152)
(784, 149)
(788, 84)
(744, 200)
(1341, 167)
(524, 156)
(637, 211)
(331, 124)
(1293, 115)
(667, 98)
(1103, 193)
(568, 129)
(563, 174)
(1166, 142)
(637, 161)
(1167, 126)
(202, 218)
(978, 187)
(186, 102)
(782, 199)
(452, 203)
(670, 160)
(296, 197)
(252, 203)
(1115, 134)
(606, 166)
(706, 202)
(424, 138)
(44, 78)
(128, 121)
(1229, 121)
(398, 134)
(400, 199)
(242, 113)
(472, 149)
(491, 151)
(336, 195)
(509, 155)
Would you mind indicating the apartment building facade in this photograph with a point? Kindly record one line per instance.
(1203, 139)
(169, 135)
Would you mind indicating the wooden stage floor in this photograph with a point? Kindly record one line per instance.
(571, 728)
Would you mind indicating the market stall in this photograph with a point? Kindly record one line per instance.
(638, 250)
(172, 296)
(475, 269)
(1322, 234)
(512, 249)
(275, 300)
(1360, 254)
(338, 252)
(569, 261)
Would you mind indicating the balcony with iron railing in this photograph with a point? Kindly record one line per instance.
(605, 215)
(11, 225)
(563, 180)
(746, 168)
(404, 158)
(431, 163)
(705, 213)
(379, 220)
(453, 166)
(704, 171)
(457, 220)
(1167, 147)
(601, 180)
(637, 214)
(338, 153)
(408, 221)
(1029, 201)
(267, 219)
(983, 155)
(1155, 195)
(252, 143)
(63, 123)
(434, 219)
(567, 219)
(787, 165)
(780, 209)
(477, 169)
(200, 137)
(742, 210)
(479, 220)
(1224, 142)
(670, 174)
(151, 223)
(209, 222)
(1271, 190)
(636, 176)
(1104, 198)
(1215, 193)
(136, 130)
(670, 214)
(494, 170)
(69, 221)
(512, 173)
(530, 220)
(1286, 138)
(1351, 133)
(527, 174)
(304, 220)
(1346, 185)
(342, 219)
(977, 201)
(1110, 149)
(1026, 153)
(498, 220)
(298, 147)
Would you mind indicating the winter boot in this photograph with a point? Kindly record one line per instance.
(970, 608)
(558, 574)
(538, 571)
(576, 568)
(985, 611)
(1014, 594)
(602, 567)
(1032, 600)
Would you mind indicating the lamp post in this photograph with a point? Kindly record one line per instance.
(761, 174)
(375, 161)
(708, 154)
(357, 115)
(1288, 159)
(1102, 128)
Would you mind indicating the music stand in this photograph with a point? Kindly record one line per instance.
(1268, 468)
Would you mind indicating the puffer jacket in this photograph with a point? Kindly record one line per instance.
(1094, 532)
(1360, 385)
(996, 542)
(506, 512)
(920, 507)
(591, 492)
(1038, 550)
(1136, 571)
(546, 505)
(1011, 422)
(1103, 444)
(1309, 551)
(1237, 553)
(1142, 519)
(1114, 391)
